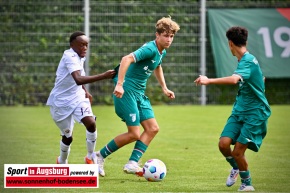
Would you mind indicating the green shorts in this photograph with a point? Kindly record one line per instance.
(245, 130)
(133, 108)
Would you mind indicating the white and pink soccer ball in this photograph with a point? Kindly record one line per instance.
(154, 170)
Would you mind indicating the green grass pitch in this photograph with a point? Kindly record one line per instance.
(187, 144)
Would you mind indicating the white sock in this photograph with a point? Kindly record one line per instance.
(91, 142)
(64, 152)
(132, 162)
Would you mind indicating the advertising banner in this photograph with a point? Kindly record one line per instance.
(268, 39)
(51, 176)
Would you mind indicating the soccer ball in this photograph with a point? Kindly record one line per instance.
(154, 170)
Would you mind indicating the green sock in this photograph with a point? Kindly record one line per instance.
(246, 177)
(109, 149)
(233, 162)
(138, 151)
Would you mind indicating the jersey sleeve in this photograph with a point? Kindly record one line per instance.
(72, 62)
(143, 53)
(243, 70)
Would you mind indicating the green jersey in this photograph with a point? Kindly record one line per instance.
(251, 99)
(147, 58)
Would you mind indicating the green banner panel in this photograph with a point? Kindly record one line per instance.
(268, 39)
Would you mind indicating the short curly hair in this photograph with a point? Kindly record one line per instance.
(238, 35)
(74, 35)
(166, 24)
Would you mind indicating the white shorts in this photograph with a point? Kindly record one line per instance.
(64, 116)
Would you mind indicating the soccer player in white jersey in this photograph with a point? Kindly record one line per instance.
(69, 99)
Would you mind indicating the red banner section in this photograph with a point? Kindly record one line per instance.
(285, 12)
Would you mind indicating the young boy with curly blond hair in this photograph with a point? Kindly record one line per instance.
(131, 103)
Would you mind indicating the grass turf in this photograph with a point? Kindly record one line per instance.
(186, 143)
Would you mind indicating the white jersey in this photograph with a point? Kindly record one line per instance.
(66, 92)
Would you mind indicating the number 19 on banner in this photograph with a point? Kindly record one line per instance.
(279, 40)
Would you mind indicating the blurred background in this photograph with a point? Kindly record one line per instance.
(35, 33)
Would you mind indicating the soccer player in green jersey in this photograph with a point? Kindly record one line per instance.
(247, 125)
(131, 103)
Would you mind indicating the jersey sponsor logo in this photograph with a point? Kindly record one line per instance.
(147, 70)
(133, 116)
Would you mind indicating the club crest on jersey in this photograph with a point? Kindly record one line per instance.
(133, 116)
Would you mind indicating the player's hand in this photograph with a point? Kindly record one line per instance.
(169, 93)
(201, 80)
(119, 91)
(90, 97)
(109, 74)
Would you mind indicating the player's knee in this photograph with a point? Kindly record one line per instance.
(91, 127)
(89, 123)
(67, 140)
(223, 144)
(154, 130)
(237, 154)
(134, 136)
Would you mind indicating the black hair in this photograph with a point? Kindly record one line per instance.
(238, 35)
(75, 35)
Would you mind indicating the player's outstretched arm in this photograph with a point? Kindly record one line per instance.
(80, 80)
(204, 80)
